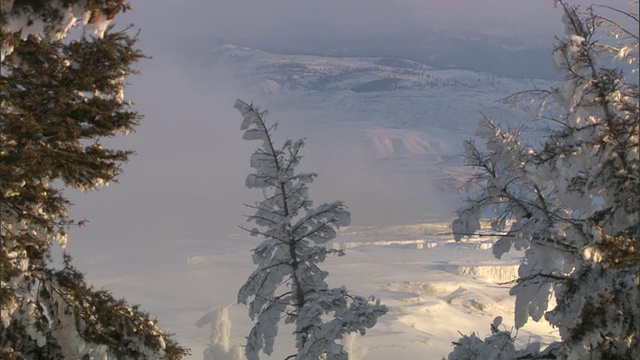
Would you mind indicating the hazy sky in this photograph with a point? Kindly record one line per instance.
(244, 20)
(435, 31)
(187, 178)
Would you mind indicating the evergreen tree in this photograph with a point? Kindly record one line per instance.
(288, 282)
(59, 98)
(572, 203)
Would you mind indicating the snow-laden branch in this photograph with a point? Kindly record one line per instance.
(295, 234)
(572, 203)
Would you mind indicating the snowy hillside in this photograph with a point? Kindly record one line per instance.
(277, 73)
(434, 287)
(397, 116)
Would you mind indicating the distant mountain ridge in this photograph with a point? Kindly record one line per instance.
(397, 121)
(278, 72)
(522, 55)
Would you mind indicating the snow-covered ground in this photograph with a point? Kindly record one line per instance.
(434, 287)
(383, 134)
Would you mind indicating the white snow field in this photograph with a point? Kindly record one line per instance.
(382, 133)
(434, 287)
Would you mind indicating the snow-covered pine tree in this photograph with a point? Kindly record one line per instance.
(58, 99)
(287, 282)
(573, 201)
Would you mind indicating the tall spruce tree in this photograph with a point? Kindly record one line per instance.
(574, 201)
(288, 283)
(59, 98)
